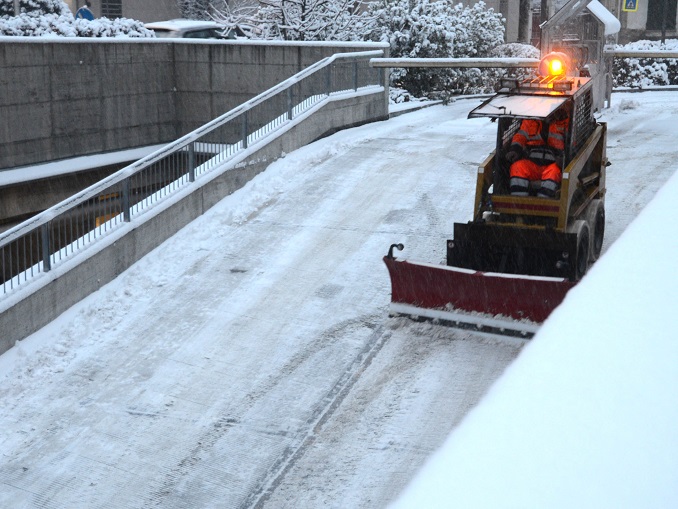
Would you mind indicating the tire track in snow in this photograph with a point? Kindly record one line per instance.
(331, 403)
(420, 385)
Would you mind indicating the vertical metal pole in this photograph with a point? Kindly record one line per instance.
(329, 79)
(665, 12)
(524, 20)
(25, 259)
(290, 108)
(126, 211)
(191, 162)
(30, 253)
(244, 129)
(545, 14)
(11, 268)
(355, 75)
(504, 11)
(46, 247)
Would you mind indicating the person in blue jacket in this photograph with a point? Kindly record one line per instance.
(84, 12)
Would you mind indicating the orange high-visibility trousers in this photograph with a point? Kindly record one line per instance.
(524, 168)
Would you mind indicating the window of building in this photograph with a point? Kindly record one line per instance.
(111, 8)
(655, 14)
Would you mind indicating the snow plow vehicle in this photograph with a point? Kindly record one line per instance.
(519, 255)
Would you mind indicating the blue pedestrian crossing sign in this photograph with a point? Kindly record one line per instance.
(630, 5)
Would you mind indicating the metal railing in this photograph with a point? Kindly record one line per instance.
(503, 63)
(62, 232)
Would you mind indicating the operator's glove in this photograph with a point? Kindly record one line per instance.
(512, 156)
(514, 153)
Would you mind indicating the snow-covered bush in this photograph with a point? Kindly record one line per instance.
(436, 29)
(400, 95)
(41, 7)
(511, 50)
(104, 27)
(6, 8)
(53, 18)
(514, 50)
(28, 25)
(645, 72)
(627, 105)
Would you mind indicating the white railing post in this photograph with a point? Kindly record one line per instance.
(126, 211)
(244, 128)
(191, 162)
(46, 246)
(355, 75)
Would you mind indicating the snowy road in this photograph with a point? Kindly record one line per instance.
(249, 361)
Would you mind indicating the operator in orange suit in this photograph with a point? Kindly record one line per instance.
(536, 154)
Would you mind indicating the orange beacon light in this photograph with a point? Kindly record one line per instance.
(553, 64)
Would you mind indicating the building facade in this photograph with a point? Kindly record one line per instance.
(142, 10)
(651, 19)
(640, 19)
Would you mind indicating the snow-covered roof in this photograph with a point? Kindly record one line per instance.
(533, 106)
(612, 24)
(182, 24)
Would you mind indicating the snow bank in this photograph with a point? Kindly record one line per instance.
(586, 416)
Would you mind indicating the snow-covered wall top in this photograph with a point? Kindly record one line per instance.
(166, 41)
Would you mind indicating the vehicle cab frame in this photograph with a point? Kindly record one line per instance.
(531, 234)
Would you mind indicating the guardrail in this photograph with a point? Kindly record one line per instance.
(64, 231)
(498, 63)
(503, 63)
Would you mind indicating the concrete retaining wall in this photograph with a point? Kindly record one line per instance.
(40, 303)
(73, 97)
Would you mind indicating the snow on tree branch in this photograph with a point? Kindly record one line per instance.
(299, 20)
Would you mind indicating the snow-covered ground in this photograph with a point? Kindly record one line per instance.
(250, 361)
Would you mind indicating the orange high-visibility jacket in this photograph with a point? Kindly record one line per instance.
(529, 134)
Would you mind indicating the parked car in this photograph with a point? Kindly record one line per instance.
(192, 29)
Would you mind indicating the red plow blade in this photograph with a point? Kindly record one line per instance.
(502, 298)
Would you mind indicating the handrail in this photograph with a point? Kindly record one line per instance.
(640, 53)
(194, 135)
(461, 62)
(59, 232)
(502, 63)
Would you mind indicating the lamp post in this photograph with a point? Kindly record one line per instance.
(544, 10)
(524, 18)
(665, 12)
